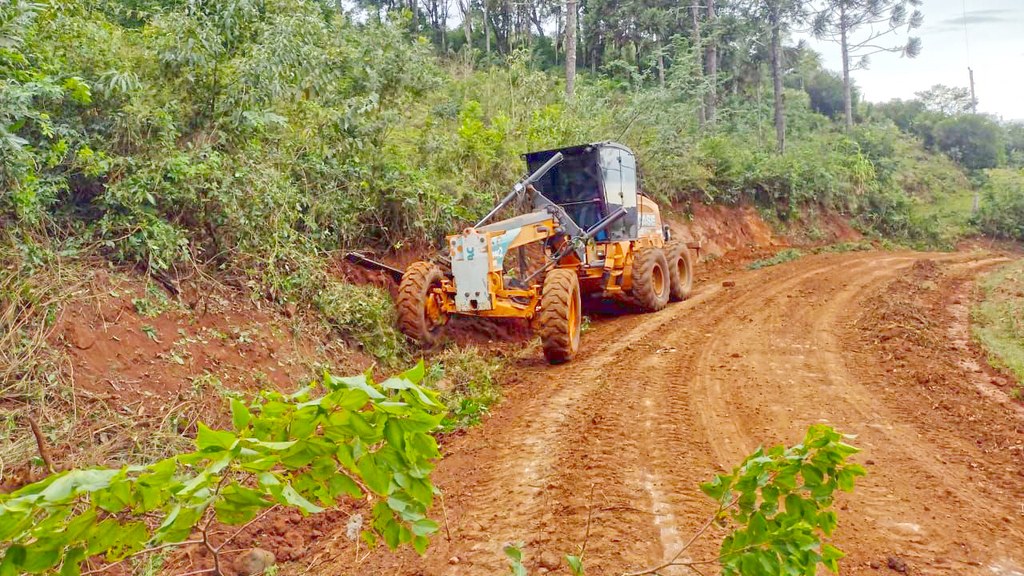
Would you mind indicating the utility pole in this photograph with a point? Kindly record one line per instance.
(974, 110)
(974, 99)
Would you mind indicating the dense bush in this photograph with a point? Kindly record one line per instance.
(1002, 208)
(260, 135)
(972, 140)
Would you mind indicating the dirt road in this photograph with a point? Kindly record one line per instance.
(872, 343)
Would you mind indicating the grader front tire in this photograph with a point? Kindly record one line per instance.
(420, 315)
(651, 279)
(680, 268)
(560, 316)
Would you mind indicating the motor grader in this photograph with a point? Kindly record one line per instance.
(591, 232)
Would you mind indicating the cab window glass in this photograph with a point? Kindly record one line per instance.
(612, 171)
(628, 179)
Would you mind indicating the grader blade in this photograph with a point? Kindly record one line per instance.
(362, 260)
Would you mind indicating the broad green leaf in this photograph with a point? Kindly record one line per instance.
(291, 497)
(207, 439)
(575, 564)
(361, 383)
(830, 556)
(102, 537)
(341, 483)
(240, 415)
(77, 482)
(373, 475)
(354, 399)
(14, 561)
(73, 562)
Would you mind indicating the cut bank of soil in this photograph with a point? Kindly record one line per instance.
(657, 403)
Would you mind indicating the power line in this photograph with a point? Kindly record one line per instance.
(967, 40)
(970, 70)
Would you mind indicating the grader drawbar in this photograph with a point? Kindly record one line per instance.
(590, 230)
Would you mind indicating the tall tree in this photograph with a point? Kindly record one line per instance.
(775, 22)
(697, 42)
(467, 26)
(487, 28)
(711, 64)
(778, 15)
(840, 21)
(973, 140)
(570, 47)
(946, 100)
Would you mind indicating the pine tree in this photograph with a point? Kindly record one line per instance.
(840, 21)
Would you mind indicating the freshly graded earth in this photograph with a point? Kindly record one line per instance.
(873, 343)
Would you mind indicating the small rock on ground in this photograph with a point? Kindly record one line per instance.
(897, 564)
(253, 562)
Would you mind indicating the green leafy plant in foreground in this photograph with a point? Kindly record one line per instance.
(359, 439)
(779, 504)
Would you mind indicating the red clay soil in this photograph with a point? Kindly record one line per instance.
(723, 229)
(871, 343)
(135, 352)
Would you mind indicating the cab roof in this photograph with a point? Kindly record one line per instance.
(530, 157)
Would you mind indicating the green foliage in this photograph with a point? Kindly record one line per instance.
(466, 378)
(972, 140)
(1001, 212)
(780, 504)
(998, 318)
(826, 91)
(260, 137)
(514, 552)
(359, 439)
(945, 100)
(366, 313)
(918, 197)
(787, 255)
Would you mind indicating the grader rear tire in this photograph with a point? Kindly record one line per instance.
(680, 268)
(560, 316)
(651, 279)
(420, 315)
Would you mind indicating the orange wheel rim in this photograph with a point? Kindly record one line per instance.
(574, 321)
(659, 280)
(432, 310)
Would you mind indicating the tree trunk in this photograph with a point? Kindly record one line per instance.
(536, 22)
(487, 29)
(697, 41)
(711, 55)
(467, 26)
(661, 62)
(776, 53)
(847, 92)
(570, 48)
(559, 35)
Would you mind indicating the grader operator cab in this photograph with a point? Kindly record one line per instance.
(596, 232)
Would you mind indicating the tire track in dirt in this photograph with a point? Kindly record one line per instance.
(520, 480)
(620, 453)
(790, 351)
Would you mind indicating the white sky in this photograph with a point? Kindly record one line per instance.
(995, 37)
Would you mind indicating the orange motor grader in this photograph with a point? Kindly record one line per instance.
(598, 235)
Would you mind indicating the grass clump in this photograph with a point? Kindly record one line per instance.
(367, 314)
(787, 255)
(841, 247)
(467, 379)
(999, 319)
